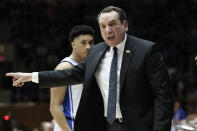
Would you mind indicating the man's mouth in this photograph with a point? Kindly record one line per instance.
(110, 38)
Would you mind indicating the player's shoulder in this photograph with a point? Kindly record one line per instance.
(63, 65)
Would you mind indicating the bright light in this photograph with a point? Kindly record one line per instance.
(6, 117)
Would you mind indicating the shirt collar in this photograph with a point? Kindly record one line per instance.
(121, 45)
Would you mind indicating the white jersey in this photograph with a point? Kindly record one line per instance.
(71, 100)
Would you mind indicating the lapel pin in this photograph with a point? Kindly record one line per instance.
(128, 51)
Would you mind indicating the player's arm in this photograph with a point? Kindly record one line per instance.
(57, 98)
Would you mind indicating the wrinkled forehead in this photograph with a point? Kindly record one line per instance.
(108, 17)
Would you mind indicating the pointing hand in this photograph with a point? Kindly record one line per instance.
(20, 78)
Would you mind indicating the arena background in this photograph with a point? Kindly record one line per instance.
(34, 37)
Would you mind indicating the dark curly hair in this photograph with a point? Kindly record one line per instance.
(80, 30)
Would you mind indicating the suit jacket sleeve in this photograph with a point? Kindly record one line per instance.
(57, 78)
(162, 94)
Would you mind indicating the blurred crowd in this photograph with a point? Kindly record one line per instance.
(8, 123)
(39, 31)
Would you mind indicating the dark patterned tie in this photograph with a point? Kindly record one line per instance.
(111, 106)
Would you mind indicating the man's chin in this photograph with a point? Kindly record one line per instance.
(85, 56)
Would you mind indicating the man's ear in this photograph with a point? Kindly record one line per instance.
(73, 44)
(125, 24)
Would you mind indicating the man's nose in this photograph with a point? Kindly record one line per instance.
(88, 46)
(108, 29)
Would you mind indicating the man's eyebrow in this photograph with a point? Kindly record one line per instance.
(113, 21)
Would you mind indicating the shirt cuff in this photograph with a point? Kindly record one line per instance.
(35, 77)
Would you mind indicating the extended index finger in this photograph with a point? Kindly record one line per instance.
(12, 74)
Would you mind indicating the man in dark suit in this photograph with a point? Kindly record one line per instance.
(126, 84)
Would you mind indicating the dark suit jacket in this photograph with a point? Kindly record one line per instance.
(146, 100)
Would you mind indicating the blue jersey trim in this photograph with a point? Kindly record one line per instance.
(67, 107)
(72, 110)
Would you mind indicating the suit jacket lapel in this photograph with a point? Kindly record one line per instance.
(96, 58)
(129, 50)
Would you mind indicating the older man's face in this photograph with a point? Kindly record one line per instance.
(112, 30)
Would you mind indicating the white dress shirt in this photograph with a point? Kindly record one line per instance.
(102, 75)
(35, 77)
